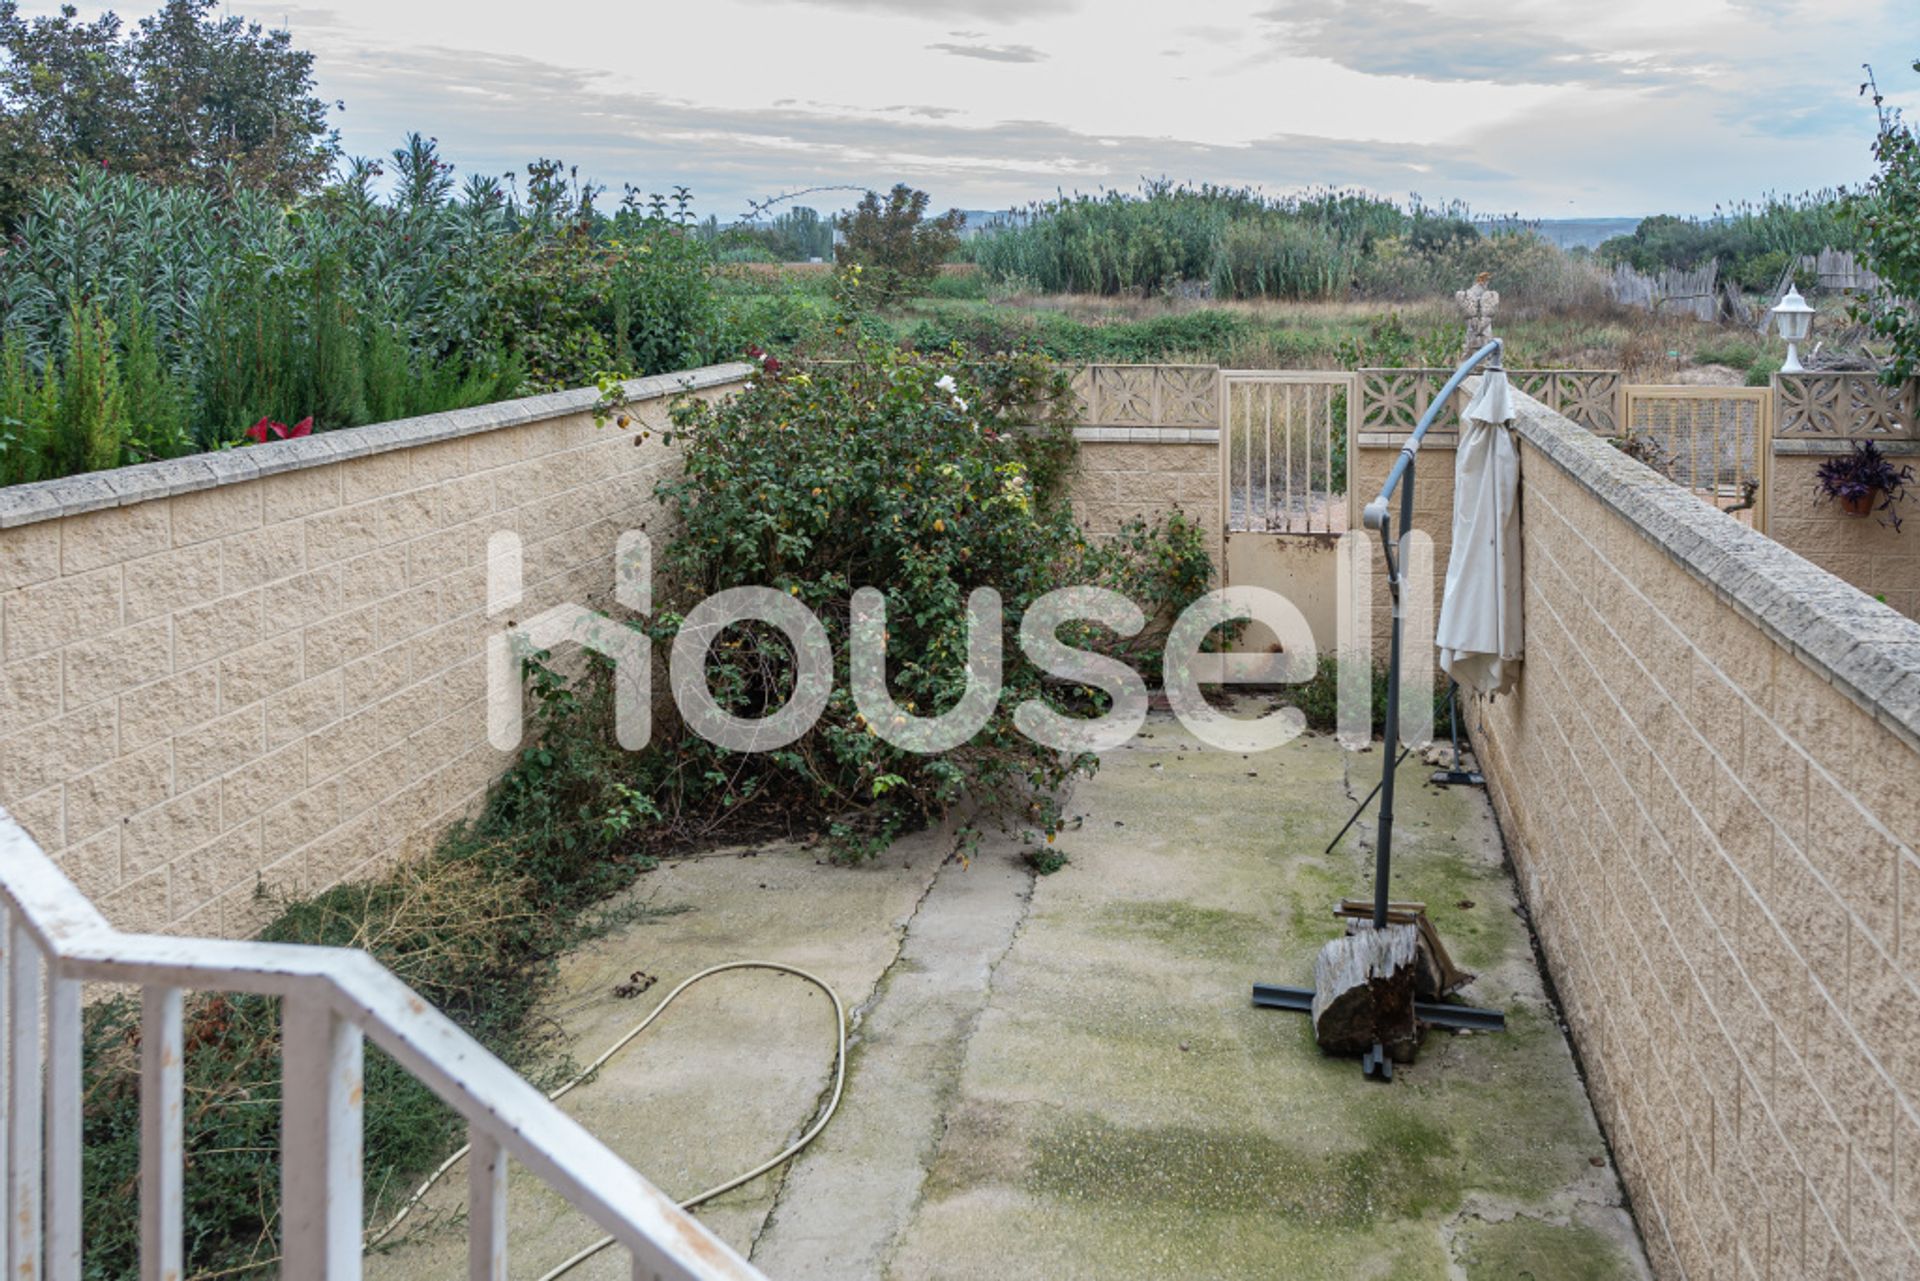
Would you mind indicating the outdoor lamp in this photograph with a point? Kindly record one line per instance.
(1794, 319)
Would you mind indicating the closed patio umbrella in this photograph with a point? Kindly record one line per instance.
(1479, 632)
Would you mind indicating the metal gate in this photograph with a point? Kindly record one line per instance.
(1283, 451)
(1283, 490)
(1716, 441)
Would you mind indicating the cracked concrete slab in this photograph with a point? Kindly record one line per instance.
(732, 1073)
(850, 1196)
(1065, 1077)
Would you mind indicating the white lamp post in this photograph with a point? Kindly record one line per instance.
(1794, 318)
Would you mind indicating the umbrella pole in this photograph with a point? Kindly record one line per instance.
(1383, 841)
(1377, 515)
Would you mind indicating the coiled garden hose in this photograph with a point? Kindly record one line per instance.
(787, 1154)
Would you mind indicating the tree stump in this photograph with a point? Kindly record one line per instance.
(1363, 992)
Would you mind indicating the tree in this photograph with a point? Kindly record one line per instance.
(893, 241)
(64, 92)
(186, 97)
(1888, 215)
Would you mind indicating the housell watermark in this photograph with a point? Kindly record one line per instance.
(1186, 670)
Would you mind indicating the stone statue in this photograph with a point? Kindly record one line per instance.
(1478, 303)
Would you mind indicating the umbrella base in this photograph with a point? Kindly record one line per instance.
(1458, 778)
(1454, 1018)
(1362, 1002)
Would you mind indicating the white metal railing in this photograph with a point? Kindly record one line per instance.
(52, 939)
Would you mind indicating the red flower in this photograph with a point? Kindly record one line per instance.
(259, 431)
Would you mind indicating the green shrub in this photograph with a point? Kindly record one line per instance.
(349, 307)
(1527, 269)
(1887, 217)
(1319, 701)
(1752, 243)
(90, 427)
(1116, 243)
(29, 401)
(152, 399)
(1736, 353)
(869, 473)
(1280, 257)
(893, 241)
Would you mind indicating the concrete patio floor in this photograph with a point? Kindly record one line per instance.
(1063, 1076)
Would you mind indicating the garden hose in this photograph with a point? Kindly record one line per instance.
(787, 1154)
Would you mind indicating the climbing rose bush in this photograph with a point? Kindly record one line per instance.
(924, 478)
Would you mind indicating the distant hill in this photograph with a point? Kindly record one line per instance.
(1572, 233)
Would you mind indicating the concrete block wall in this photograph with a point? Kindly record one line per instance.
(1708, 778)
(1372, 457)
(1875, 557)
(267, 666)
(1128, 472)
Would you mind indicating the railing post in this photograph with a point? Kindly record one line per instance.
(162, 1160)
(23, 1104)
(320, 1128)
(64, 1138)
(486, 1208)
(6, 1004)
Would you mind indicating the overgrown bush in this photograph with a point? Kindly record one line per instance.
(1888, 217)
(347, 308)
(1243, 244)
(919, 476)
(1117, 243)
(1528, 270)
(1319, 698)
(1751, 242)
(894, 243)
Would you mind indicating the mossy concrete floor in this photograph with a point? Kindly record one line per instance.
(1063, 1076)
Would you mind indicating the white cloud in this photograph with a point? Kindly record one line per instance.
(1546, 106)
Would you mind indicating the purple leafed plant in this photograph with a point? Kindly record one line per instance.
(1855, 477)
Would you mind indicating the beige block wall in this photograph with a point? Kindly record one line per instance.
(1878, 559)
(1718, 848)
(281, 680)
(1120, 480)
(1371, 459)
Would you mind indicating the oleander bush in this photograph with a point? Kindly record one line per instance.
(145, 321)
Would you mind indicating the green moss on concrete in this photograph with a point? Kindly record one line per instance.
(1524, 1248)
(1232, 1170)
(1187, 928)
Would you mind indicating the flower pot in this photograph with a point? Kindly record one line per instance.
(1862, 505)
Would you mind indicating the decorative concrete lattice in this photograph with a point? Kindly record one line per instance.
(1716, 441)
(1846, 405)
(1590, 397)
(1392, 400)
(1148, 395)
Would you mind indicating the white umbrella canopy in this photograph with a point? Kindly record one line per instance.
(1479, 630)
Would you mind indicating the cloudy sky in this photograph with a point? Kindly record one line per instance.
(1550, 108)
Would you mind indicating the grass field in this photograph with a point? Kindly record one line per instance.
(962, 308)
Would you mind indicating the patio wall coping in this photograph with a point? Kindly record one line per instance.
(1147, 435)
(1834, 446)
(1865, 649)
(144, 482)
